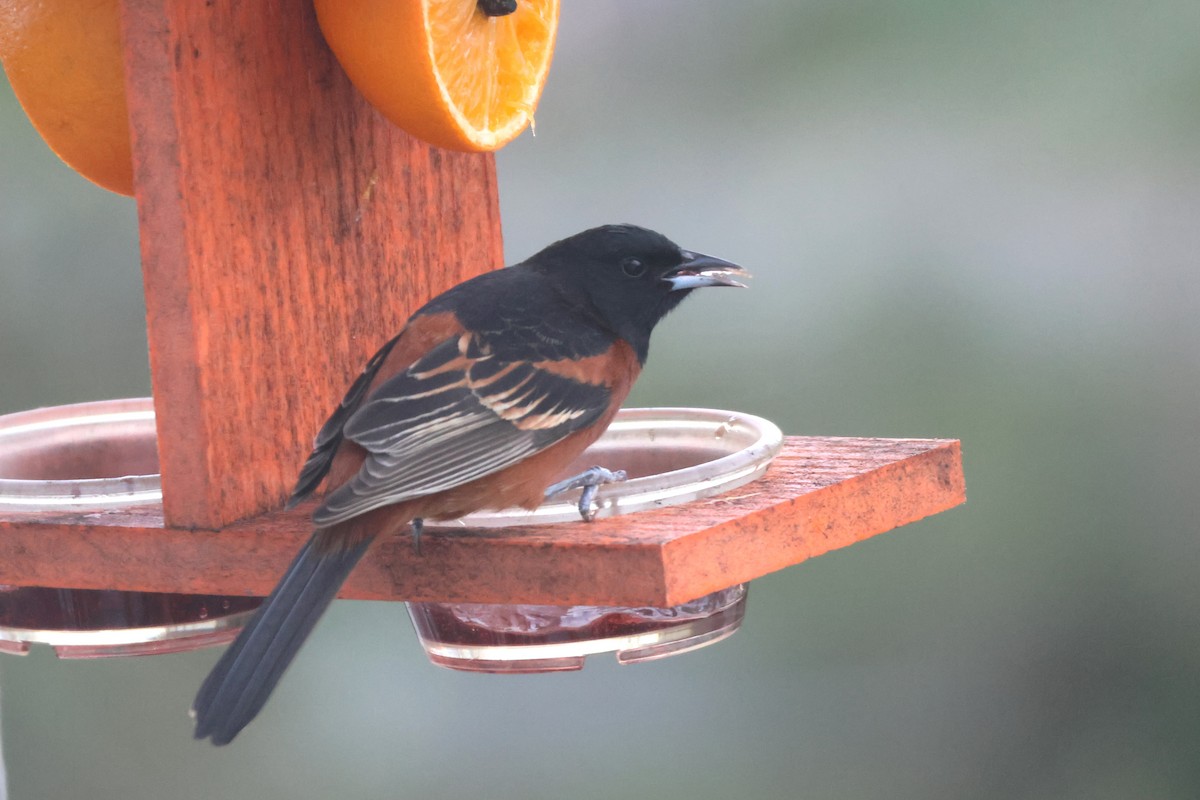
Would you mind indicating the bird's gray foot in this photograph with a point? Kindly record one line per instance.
(417, 526)
(590, 480)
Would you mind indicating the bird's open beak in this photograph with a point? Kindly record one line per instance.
(699, 270)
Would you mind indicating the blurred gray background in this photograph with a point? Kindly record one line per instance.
(972, 220)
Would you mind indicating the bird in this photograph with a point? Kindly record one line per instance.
(482, 400)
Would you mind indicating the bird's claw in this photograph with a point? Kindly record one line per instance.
(590, 480)
(417, 526)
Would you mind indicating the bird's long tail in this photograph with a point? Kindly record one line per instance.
(238, 686)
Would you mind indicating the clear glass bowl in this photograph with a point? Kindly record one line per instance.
(82, 456)
(542, 638)
(672, 455)
(92, 623)
(93, 456)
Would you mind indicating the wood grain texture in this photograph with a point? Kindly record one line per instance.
(287, 231)
(820, 494)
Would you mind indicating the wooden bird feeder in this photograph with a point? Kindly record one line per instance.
(287, 230)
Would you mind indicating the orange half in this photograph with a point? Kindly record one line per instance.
(63, 59)
(443, 70)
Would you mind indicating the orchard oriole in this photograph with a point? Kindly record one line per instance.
(488, 393)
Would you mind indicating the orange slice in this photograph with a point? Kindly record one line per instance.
(63, 59)
(444, 70)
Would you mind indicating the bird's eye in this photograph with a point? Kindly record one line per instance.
(633, 267)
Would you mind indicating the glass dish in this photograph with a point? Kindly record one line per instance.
(672, 455)
(90, 457)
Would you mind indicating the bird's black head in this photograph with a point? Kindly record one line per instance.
(630, 276)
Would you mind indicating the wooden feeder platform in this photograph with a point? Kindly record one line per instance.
(819, 494)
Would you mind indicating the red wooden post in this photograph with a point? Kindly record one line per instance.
(287, 231)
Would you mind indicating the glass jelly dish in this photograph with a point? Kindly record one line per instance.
(86, 458)
(671, 455)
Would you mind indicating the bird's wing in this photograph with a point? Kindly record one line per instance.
(330, 435)
(457, 414)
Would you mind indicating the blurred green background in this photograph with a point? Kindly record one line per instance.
(974, 220)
